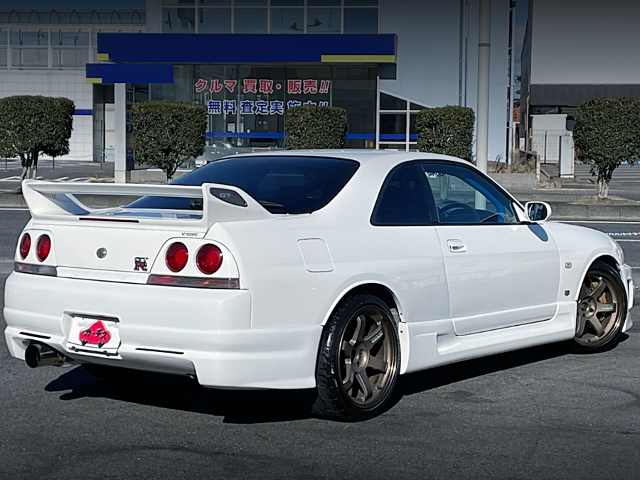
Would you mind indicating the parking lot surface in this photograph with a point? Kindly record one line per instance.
(540, 413)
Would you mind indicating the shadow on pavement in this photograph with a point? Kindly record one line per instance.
(268, 406)
(183, 393)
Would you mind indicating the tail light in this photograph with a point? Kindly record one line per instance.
(177, 256)
(209, 259)
(43, 247)
(25, 245)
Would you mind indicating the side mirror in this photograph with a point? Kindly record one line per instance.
(537, 211)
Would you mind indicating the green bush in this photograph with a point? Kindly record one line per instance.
(606, 133)
(167, 134)
(446, 130)
(316, 127)
(31, 126)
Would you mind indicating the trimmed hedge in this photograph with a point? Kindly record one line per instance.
(606, 133)
(316, 127)
(446, 130)
(31, 126)
(167, 134)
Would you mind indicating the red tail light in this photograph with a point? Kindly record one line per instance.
(25, 245)
(43, 248)
(177, 256)
(209, 259)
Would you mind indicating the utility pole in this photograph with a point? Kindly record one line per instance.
(484, 48)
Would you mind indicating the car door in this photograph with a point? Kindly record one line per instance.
(406, 247)
(501, 272)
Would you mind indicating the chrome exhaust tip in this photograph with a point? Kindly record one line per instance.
(41, 355)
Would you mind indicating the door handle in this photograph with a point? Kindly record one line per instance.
(456, 246)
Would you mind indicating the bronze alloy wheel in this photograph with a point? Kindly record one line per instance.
(358, 360)
(367, 357)
(602, 308)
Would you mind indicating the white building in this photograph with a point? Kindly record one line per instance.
(574, 50)
(384, 60)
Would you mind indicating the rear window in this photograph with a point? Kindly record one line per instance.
(281, 184)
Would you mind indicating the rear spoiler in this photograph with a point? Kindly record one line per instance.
(56, 201)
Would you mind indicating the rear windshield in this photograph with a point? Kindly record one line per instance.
(281, 184)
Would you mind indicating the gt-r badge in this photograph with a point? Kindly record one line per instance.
(102, 252)
(140, 263)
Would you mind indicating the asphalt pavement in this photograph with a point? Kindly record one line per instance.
(541, 413)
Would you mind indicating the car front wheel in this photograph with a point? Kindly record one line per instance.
(602, 309)
(358, 360)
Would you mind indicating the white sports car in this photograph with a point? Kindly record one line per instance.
(334, 270)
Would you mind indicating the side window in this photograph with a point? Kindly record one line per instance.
(462, 195)
(403, 198)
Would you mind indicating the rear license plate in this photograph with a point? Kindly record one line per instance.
(94, 335)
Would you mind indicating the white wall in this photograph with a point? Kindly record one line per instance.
(585, 42)
(428, 57)
(70, 85)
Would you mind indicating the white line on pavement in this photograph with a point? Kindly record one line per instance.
(14, 209)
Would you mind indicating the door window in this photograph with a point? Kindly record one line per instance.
(464, 196)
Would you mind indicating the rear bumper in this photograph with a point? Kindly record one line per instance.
(202, 332)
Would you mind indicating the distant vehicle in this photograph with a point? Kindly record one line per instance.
(330, 269)
(218, 150)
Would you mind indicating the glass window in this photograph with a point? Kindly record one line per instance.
(324, 3)
(214, 2)
(29, 57)
(3, 37)
(29, 37)
(287, 20)
(71, 38)
(214, 20)
(181, 3)
(287, 184)
(250, 3)
(360, 20)
(287, 3)
(394, 123)
(350, 3)
(320, 20)
(250, 20)
(389, 102)
(464, 196)
(403, 198)
(178, 20)
(69, 57)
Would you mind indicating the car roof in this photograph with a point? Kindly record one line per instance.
(375, 158)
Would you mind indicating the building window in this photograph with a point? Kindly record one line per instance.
(397, 123)
(287, 20)
(271, 16)
(250, 20)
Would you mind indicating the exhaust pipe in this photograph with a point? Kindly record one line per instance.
(40, 355)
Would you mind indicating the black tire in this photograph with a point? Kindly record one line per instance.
(358, 360)
(602, 310)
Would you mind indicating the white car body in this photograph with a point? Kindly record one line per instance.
(460, 291)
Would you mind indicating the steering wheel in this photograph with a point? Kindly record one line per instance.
(449, 209)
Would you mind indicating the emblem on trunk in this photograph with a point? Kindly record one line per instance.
(140, 263)
(102, 252)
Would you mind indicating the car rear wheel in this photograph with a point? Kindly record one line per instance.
(602, 309)
(358, 360)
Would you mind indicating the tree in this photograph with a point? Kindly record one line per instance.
(31, 126)
(447, 130)
(606, 133)
(167, 134)
(316, 127)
